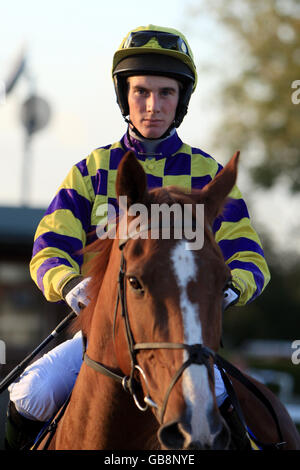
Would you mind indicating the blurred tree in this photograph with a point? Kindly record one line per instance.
(262, 97)
(273, 315)
(250, 51)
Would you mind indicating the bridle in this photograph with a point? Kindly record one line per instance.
(197, 353)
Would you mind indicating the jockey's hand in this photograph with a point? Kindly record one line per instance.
(231, 296)
(74, 293)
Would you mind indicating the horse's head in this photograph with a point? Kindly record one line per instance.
(172, 298)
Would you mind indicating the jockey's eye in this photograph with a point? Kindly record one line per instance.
(135, 284)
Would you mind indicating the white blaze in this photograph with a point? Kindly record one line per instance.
(195, 382)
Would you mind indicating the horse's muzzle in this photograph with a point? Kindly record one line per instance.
(177, 435)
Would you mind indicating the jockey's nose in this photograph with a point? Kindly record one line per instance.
(153, 103)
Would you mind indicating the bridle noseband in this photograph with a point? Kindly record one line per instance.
(197, 353)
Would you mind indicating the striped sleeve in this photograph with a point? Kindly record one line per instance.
(62, 233)
(234, 233)
(241, 248)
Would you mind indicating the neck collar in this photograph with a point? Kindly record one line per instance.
(155, 148)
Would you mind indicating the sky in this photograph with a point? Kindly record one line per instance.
(69, 46)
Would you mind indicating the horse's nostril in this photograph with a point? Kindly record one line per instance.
(222, 440)
(170, 437)
(177, 436)
(174, 435)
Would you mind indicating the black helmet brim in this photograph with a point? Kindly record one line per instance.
(154, 64)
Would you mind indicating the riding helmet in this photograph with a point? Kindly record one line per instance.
(155, 50)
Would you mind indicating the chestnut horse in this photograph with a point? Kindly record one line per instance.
(153, 328)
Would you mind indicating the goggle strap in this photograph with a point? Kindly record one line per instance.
(165, 40)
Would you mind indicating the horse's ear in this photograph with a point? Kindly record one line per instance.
(131, 180)
(214, 193)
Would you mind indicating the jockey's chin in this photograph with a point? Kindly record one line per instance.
(151, 128)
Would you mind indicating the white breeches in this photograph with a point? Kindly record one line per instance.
(45, 385)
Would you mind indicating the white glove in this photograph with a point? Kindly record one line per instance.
(77, 298)
(231, 296)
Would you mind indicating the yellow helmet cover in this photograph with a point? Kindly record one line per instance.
(183, 53)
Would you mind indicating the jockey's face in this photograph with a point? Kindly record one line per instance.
(152, 104)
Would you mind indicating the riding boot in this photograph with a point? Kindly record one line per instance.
(20, 432)
(239, 436)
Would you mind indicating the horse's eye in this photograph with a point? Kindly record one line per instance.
(135, 284)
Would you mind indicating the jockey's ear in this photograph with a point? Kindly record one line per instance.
(131, 180)
(214, 194)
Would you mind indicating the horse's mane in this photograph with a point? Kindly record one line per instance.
(95, 269)
(101, 249)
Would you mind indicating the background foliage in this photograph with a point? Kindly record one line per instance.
(260, 116)
(257, 114)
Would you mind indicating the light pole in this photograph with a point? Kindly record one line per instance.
(35, 115)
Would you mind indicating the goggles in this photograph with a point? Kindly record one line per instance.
(165, 40)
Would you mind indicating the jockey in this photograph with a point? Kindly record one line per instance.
(154, 77)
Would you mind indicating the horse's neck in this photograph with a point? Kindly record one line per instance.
(95, 398)
(102, 416)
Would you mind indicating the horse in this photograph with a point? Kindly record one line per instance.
(152, 331)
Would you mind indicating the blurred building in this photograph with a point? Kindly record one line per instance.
(26, 318)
